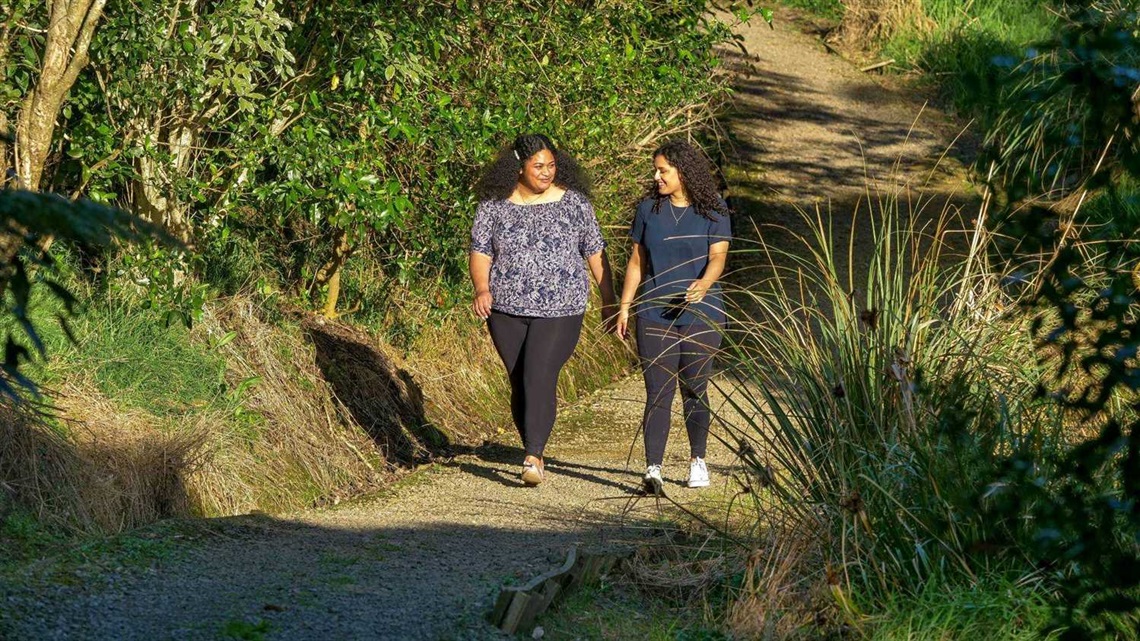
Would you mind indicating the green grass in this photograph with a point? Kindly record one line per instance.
(609, 611)
(965, 56)
(993, 609)
(65, 558)
(1113, 215)
(24, 537)
(136, 359)
(827, 9)
(130, 352)
(246, 630)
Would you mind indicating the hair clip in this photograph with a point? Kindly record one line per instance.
(517, 154)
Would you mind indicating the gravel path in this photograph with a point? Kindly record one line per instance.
(425, 560)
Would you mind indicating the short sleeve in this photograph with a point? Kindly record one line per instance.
(590, 240)
(482, 229)
(637, 230)
(721, 229)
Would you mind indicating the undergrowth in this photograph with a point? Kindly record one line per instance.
(875, 396)
(965, 50)
(993, 608)
(826, 9)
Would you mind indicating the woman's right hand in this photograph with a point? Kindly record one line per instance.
(482, 304)
(621, 325)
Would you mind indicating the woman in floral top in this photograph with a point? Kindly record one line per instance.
(534, 234)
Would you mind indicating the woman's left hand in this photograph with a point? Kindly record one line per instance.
(696, 291)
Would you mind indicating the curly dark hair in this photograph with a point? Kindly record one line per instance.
(697, 178)
(500, 177)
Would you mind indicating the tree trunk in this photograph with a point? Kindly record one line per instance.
(14, 13)
(71, 25)
(5, 165)
(153, 188)
(330, 273)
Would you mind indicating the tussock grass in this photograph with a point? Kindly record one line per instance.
(272, 431)
(881, 388)
(775, 600)
(288, 444)
(995, 608)
(108, 472)
(867, 23)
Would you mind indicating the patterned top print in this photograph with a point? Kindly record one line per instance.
(537, 253)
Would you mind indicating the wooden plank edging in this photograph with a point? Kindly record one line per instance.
(517, 607)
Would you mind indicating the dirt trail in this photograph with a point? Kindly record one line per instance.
(814, 128)
(425, 560)
(812, 134)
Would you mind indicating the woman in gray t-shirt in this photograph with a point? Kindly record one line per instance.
(534, 234)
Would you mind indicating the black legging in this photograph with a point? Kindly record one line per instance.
(671, 355)
(534, 351)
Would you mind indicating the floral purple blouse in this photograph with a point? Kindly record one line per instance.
(537, 252)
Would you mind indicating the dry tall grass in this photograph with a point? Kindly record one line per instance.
(780, 597)
(106, 471)
(300, 448)
(867, 23)
(280, 437)
(313, 412)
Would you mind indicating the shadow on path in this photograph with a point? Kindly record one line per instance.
(502, 464)
(298, 580)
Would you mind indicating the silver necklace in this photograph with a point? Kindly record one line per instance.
(676, 217)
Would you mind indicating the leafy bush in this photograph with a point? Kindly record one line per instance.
(351, 133)
(1068, 116)
(1077, 129)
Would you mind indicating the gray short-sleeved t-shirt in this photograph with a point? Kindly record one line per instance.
(676, 243)
(537, 252)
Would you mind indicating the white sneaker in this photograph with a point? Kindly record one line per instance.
(652, 482)
(698, 473)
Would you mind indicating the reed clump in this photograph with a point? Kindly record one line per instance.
(878, 393)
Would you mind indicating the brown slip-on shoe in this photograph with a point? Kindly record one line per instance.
(531, 474)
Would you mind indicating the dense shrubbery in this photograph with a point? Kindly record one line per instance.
(290, 142)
